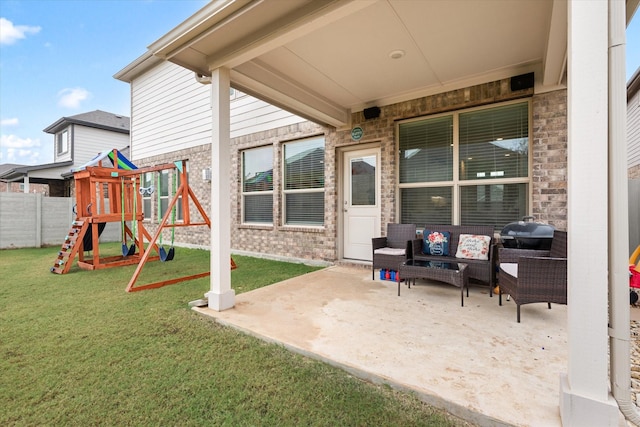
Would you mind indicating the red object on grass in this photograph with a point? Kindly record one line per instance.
(634, 279)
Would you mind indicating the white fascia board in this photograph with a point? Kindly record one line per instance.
(212, 15)
(555, 59)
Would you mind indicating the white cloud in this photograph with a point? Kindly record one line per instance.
(13, 141)
(9, 122)
(10, 33)
(24, 151)
(72, 97)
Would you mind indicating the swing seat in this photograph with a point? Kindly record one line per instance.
(166, 255)
(128, 251)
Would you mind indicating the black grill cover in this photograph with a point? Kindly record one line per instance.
(527, 234)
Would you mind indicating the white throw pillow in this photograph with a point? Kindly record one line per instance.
(472, 246)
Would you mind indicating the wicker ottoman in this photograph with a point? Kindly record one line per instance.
(454, 273)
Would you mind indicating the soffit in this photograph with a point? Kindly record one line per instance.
(324, 59)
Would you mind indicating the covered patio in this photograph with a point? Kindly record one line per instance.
(474, 361)
(328, 61)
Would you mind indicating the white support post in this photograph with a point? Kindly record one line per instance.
(26, 184)
(584, 391)
(221, 296)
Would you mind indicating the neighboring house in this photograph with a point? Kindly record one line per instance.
(466, 113)
(77, 139)
(18, 187)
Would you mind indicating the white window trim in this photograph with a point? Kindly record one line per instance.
(64, 144)
(242, 209)
(253, 193)
(284, 192)
(456, 183)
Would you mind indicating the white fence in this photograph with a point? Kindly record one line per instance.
(32, 221)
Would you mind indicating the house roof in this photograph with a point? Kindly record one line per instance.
(9, 166)
(19, 171)
(95, 119)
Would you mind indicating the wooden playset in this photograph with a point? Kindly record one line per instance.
(111, 177)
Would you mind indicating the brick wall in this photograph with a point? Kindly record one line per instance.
(310, 243)
(549, 198)
(16, 187)
(198, 159)
(549, 190)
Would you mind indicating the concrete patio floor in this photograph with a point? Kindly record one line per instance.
(474, 361)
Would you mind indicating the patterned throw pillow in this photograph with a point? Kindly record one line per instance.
(473, 246)
(436, 242)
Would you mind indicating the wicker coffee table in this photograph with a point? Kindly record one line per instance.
(454, 273)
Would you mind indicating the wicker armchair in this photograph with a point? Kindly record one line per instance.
(531, 276)
(389, 252)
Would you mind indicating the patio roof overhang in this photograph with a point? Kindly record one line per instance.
(325, 59)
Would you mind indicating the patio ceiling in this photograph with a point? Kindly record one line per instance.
(324, 59)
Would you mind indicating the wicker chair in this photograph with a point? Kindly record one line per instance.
(531, 276)
(389, 252)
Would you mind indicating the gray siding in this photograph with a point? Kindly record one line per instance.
(171, 111)
(90, 141)
(633, 130)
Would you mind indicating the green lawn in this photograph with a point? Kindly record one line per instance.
(76, 349)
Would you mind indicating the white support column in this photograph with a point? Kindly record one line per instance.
(221, 296)
(26, 184)
(584, 391)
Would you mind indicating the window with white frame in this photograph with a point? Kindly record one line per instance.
(147, 191)
(303, 182)
(469, 167)
(62, 142)
(168, 183)
(257, 185)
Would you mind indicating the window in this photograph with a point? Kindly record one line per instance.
(167, 188)
(62, 142)
(147, 189)
(468, 167)
(257, 185)
(303, 182)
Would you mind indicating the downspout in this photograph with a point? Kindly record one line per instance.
(619, 315)
(202, 79)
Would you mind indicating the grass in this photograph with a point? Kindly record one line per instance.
(75, 349)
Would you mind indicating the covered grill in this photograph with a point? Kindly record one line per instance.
(527, 234)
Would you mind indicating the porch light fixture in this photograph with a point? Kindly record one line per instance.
(206, 174)
(396, 54)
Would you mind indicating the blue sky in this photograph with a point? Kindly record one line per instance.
(58, 58)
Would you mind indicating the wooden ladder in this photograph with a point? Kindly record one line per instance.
(70, 247)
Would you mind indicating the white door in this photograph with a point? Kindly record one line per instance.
(361, 204)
